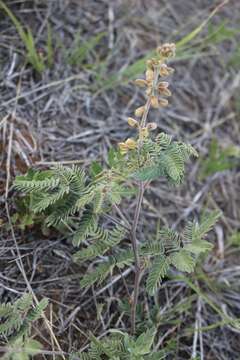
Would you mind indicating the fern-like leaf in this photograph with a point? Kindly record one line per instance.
(157, 271)
(98, 201)
(98, 275)
(16, 318)
(36, 313)
(11, 324)
(172, 161)
(182, 260)
(104, 241)
(5, 310)
(24, 303)
(169, 239)
(149, 173)
(198, 247)
(206, 224)
(87, 226)
(38, 185)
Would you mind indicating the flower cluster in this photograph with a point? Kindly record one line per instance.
(155, 91)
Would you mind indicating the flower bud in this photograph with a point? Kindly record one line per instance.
(167, 50)
(163, 88)
(154, 102)
(149, 64)
(140, 82)
(144, 132)
(123, 148)
(131, 144)
(165, 70)
(149, 75)
(140, 111)
(151, 126)
(132, 122)
(163, 102)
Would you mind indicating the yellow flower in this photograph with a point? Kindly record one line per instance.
(139, 111)
(131, 144)
(123, 148)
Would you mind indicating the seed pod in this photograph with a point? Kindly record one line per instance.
(163, 102)
(140, 82)
(167, 50)
(149, 75)
(132, 122)
(165, 70)
(144, 132)
(154, 102)
(140, 111)
(131, 144)
(151, 126)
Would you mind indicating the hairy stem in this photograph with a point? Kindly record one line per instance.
(133, 231)
(136, 257)
(144, 117)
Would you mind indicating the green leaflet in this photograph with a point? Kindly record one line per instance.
(182, 260)
(104, 241)
(163, 140)
(22, 349)
(98, 275)
(121, 346)
(16, 318)
(101, 271)
(56, 191)
(39, 185)
(167, 159)
(206, 224)
(36, 312)
(158, 270)
(199, 247)
(87, 226)
(179, 250)
(143, 344)
(95, 169)
(148, 173)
